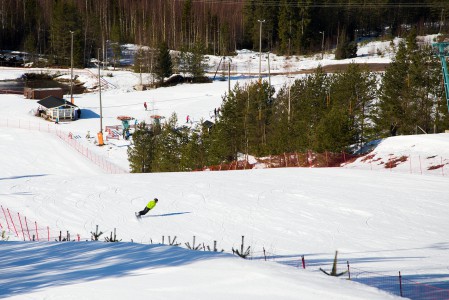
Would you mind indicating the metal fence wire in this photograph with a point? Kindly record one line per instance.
(398, 285)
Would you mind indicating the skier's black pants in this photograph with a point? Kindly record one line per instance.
(144, 211)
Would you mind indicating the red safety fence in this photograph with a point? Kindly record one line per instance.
(25, 229)
(308, 159)
(97, 159)
(413, 164)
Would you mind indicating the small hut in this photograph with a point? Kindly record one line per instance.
(208, 125)
(33, 93)
(54, 108)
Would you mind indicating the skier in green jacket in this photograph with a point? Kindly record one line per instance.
(147, 208)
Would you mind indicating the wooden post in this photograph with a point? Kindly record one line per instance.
(349, 270)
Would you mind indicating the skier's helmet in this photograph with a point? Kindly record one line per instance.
(155, 199)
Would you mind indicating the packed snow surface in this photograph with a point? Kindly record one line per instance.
(380, 219)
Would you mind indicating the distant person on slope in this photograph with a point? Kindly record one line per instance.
(147, 208)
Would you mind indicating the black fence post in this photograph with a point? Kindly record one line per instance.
(349, 271)
(400, 283)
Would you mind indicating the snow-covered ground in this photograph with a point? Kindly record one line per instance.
(381, 220)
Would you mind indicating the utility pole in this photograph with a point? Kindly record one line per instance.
(71, 69)
(260, 49)
(229, 75)
(322, 45)
(100, 134)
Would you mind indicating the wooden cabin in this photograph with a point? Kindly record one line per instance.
(32, 93)
(54, 108)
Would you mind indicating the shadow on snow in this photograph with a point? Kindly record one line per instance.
(29, 266)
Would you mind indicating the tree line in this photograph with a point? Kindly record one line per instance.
(43, 27)
(318, 112)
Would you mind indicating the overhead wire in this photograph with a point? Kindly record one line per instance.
(322, 4)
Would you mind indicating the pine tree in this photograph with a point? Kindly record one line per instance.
(285, 27)
(308, 96)
(164, 65)
(303, 23)
(280, 133)
(393, 101)
(345, 48)
(141, 153)
(354, 91)
(333, 131)
(227, 137)
(65, 18)
(410, 98)
(186, 23)
(195, 151)
(115, 45)
(169, 144)
(195, 62)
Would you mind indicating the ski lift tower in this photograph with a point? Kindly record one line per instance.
(443, 54)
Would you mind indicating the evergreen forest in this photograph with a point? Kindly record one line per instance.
(319, 112)
(43, 27)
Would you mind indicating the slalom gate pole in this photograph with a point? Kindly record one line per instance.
(21, 227)
(48, 232)
(37, 233)
(410, 157)
(7, 223)
(303, 262)
(400, 283)
(26, 223)
(14, 225)
(420, 167)
(309, 158)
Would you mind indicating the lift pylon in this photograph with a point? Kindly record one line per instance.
(443, 54)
